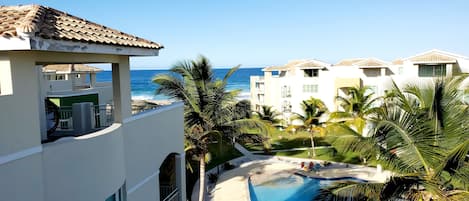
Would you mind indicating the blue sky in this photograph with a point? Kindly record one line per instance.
(271, 32)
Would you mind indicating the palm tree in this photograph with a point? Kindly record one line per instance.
(269, 115)
(359, 106)
(208, 105)
(313, 110)
(428, 159)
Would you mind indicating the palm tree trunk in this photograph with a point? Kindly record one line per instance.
(202, 177)
(312, 143)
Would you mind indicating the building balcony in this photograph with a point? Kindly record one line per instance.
(77, 120)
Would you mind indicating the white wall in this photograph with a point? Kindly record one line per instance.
(148, 138)
(89, 167)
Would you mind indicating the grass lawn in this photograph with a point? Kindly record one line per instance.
(227, 153)
(284, 140)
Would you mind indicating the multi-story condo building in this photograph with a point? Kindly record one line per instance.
(284, 87)
(64, 136)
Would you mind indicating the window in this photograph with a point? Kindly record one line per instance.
(286, 106)
(6, 87)
(259, 85)
(311, 72)
(260, 98)
(437, 70)
(120, 195)
(372, 72)
(401, 70)
(285, 91)
(60, 77)
(310, 88)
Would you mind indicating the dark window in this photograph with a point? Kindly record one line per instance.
(438, 70)
(311, 72)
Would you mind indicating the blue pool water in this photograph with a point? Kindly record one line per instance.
(291, 188)
(285, 190)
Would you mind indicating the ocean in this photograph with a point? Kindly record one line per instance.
(143, 89)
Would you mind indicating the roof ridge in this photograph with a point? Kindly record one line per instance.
(31, 22)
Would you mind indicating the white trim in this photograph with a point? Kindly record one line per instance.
(141, 183)
(20, 154)
(14, 43)
(38, 43)
(153, 112)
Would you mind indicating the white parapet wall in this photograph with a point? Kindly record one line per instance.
(89, 167)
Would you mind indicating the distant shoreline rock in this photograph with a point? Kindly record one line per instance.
(143, 105)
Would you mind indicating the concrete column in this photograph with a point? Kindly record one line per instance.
(92, 80)
(121, 89)
(181, 175)
(449, 70)
(41, 96)
(383, 72)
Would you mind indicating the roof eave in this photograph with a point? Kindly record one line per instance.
(373, 67)
(41, 44)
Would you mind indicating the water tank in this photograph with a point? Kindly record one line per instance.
(83, 118)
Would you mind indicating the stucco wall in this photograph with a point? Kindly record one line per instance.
(19, 117)
(148, 139)
(89, 167)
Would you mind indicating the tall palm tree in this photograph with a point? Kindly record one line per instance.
(313, 110)
(359, 106)
(208, 105)
(405, 137)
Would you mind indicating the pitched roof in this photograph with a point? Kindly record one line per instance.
(398, 62)
(299, 63)
(49, 23)
(371, 63)
(67, 68)
(349, 62)
(434, 56)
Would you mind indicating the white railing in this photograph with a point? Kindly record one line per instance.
(103, 116)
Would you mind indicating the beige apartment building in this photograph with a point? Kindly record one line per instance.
(284, 87)
(67, 137)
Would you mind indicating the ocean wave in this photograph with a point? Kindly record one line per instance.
(143, 97)
(244, 95)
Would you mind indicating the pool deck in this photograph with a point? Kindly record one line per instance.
(233, 184)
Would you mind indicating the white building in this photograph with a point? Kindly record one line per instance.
(134, 158)
(284, 87)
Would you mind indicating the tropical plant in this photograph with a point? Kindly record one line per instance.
(313, 110)
(359, 107)
(268, 115)
(208, 106)
(421, 136)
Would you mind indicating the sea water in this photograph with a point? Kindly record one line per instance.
(142, 88)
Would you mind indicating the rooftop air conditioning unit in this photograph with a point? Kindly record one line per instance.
(83, 118)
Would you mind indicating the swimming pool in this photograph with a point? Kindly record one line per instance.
(290, 187)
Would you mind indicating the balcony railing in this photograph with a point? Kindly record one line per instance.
(99, 117)
(169, 193)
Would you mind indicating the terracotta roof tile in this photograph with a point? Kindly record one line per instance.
(349, 62)
(433, 56)
(49, 23)
(371, 62)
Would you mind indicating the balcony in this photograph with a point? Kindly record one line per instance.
(79, 119)
(169, 192)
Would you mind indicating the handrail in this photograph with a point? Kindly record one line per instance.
(172, 196)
